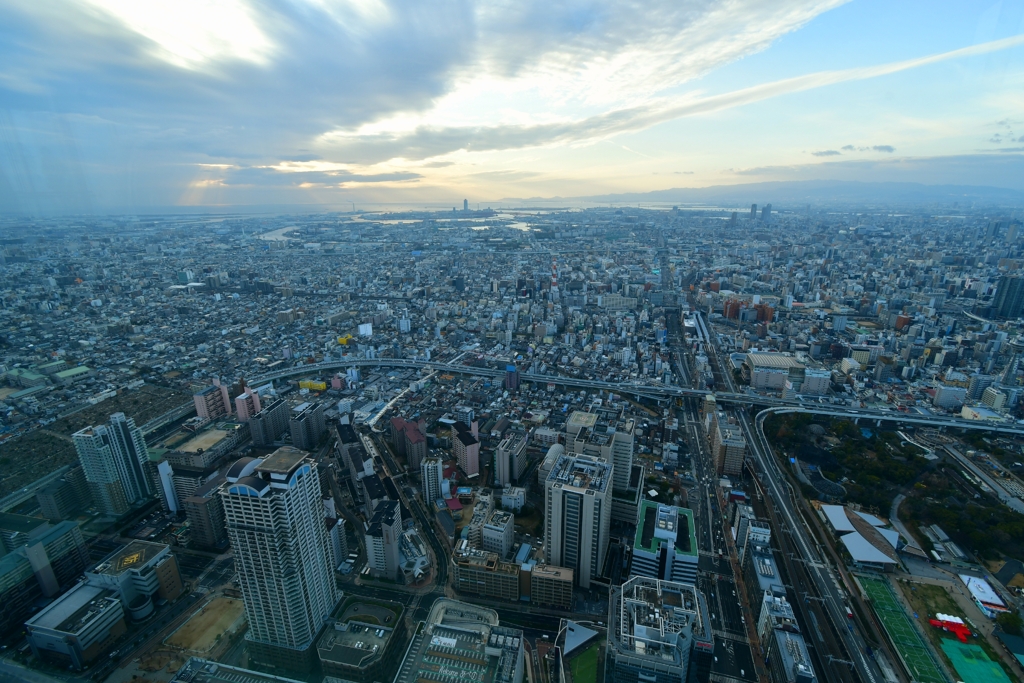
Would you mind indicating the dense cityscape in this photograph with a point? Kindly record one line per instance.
(601, 445)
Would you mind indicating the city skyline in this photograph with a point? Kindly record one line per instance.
(107, 106)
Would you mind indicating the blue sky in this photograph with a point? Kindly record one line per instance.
(118, 105)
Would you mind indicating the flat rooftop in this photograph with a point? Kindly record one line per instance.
(581, 473)
(665, 522)
(135, 554)
(361, 633)
(72, 611)
(282, 461)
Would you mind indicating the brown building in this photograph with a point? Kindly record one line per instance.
(205, 512)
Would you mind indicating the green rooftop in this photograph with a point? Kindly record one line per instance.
(662, 523)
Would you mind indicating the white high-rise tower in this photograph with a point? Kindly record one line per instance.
(273, 511)
(114, 459)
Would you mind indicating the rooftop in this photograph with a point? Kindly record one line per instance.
(361, 633)
(282, 461)
(71, 612)
(133, 556)
(665, 523)
(581, 473)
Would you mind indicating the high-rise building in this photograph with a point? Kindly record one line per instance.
(578, 507)
(499, 533)
(382, 539)
(510, 458)
(511, 377)
(753, 211)
(307, 426)
(728, 447)
(66, 497)
(788, 658)
(1009, 299)
(466, 446)
(275, 523)
(431, 475)
(204, 510)
(269, 423)
(247, 404)
(114, 458)
(658, 632)
(213, 401)
(665, 544)
(766, 213)
(609, 439)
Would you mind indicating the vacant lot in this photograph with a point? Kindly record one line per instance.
(204, 630)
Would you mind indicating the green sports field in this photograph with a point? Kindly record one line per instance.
(901, 630)
(584, 665)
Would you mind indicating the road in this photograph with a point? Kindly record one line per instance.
(823, 605)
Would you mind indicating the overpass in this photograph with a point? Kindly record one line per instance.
(655, 392)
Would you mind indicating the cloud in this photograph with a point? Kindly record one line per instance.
(422, 141)
(884, 148)
(826, 153)
(263, 176)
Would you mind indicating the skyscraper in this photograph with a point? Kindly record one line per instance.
(1009, 299)
(431, 474)
(382, 539)
(275, 522)
(753, 211)
(766, 213)
(578, 513)
(114, 458)
(307, 426)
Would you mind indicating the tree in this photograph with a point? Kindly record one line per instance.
(1011, 623)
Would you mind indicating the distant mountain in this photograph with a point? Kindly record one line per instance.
(823, 191)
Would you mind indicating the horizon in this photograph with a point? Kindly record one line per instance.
(118, 107)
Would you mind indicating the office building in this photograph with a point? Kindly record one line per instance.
(431, 476)
(65, 498)
(484, 573)
(728, 447)
(549, 586)
(658, 632)
(269, 423)
(774, 612)
(307, 426)
(1008, 301)
(510, 458)
(788, 659)
(213, 402)
(247, 404)
(366, 642)
(513, 498)
(204, 510)
(274, 515)
(499, 533)
(577, 504)
(609, 438)
(76, 628)
(665, 543)
(471, 643)
(382, 540)
(140, 573)
(114, 459)
(466, 446)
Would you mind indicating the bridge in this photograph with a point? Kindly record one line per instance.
(655, 392)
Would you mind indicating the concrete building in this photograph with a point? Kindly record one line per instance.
(774, 612)
(665, 544)
(204, 510)
(269, 423)
(577, 503)
(382, 540)
(76, 628)
(788, 659)
(114, 459)
(466, 446)
(366, 642)
(274, 515)
(66, 497)
(431, 475)
(728, 447)
(771, 371)
(549, 586)
(499, 533)
(247, 404)
(513, 498)
(484, 573)
(470, 642)
(510, 458)
(213, 402)
(140, 572)
(307, 426)
(658, 632)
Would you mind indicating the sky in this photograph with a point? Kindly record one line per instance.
(129, 106)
